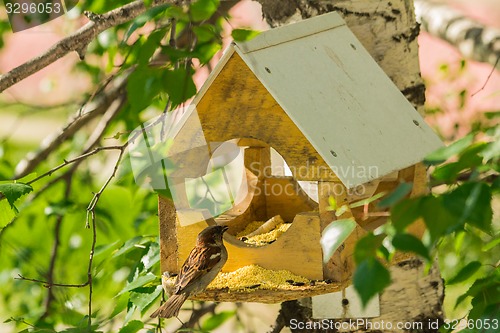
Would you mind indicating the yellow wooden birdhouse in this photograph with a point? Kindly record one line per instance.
(308, 93)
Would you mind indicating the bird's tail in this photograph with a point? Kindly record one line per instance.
(171, 307)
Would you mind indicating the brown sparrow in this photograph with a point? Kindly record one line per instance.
(202, 266)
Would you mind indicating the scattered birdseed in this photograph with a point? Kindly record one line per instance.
(250, 276)
(262, 239)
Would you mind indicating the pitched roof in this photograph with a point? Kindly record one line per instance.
(337, 95)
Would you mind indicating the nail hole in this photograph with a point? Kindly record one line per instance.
(345, 301)
(353, 47)
(268, 70)
(333, 153)
(416, 123)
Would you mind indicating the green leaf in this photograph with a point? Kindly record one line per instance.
(148, 48)
(367, 247)
(179, 85)
(471, 202)
(132, 327)
(396, 196)
(13, 191)
(332, 203)
(367, 200)
(437, 218)
(143, 85)
(141, 281)
(410, 243)
(370, 278)
(216, 320)
(6, 213)
(492, 115)
(491, 244)
(142, 19)
(444, 153)
(405, 213)
(205, 51)
(492, 150)
(203, 9)
(334, 235)
(341, 210)
(143, 298)
(466, 272)
(205, 33)
(242, 35)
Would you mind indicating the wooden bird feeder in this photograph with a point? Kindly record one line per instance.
(313, 93)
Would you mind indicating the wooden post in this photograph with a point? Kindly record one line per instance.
(340, 267)
(168, 235)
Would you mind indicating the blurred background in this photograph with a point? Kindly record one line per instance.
(461, 95)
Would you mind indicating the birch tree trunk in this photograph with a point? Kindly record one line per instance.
(388, 30)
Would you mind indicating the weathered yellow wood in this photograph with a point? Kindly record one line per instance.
(297, 250)
(168, 235)
(341, 266)
(245, 211)
(262, 295)
(285, 197)
(237, 105)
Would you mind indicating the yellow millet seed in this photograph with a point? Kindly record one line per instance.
(253, 277)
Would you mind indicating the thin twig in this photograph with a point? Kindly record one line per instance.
(79, 40)
(196, 314)
(46, 284)
(55, 250)
(73, 160)
(98, 107)
(91, 211)
(488, 78)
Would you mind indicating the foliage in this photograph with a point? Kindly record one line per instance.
(50, 224)
(459, 221)
(46, 235)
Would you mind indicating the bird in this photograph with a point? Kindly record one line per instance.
(202, 266)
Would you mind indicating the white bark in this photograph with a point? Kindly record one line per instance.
(473, 39)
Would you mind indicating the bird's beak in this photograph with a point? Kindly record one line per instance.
(224, 228)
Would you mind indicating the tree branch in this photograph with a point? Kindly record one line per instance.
(97, 107)
(79, 40)
(473, 39)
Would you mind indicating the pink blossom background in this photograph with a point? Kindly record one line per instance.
(59, 83)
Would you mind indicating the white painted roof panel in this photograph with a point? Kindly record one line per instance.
(343, 102)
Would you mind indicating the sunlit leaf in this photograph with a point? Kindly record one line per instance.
(143, 298)
(141, 281)
(367, 200)
(492, 150)
(143, 85)
(370, 278)
(203, 9)
(334, 235)
(242, 35)
(6, 213)
(341, 210)
(205, 33)
(442, 154)
(13, 191)
(466, 272)
(142, 19)
(205, 51)
(332, 202)
(132, 327)
(216, 320)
